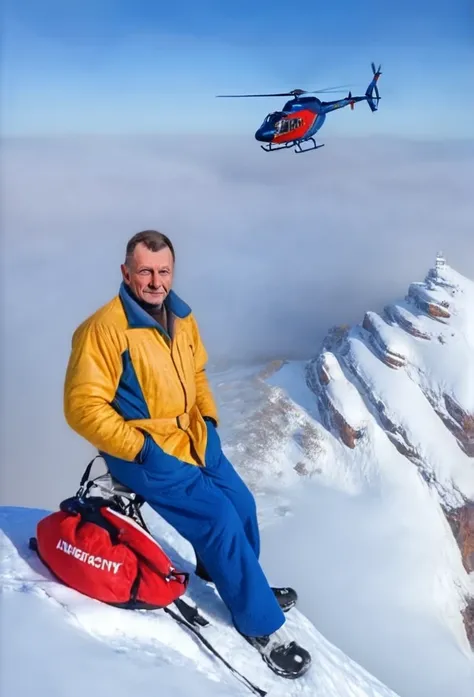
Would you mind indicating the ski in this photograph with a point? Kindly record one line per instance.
(199, 620)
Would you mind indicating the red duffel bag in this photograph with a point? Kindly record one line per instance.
(100, 546)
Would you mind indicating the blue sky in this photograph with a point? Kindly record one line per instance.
(135, 66)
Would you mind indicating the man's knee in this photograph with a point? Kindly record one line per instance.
(223, 523)
(243, 496)
(248, 501)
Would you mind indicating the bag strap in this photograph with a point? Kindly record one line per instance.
(256, 690)
(132, 509)
(87, 473)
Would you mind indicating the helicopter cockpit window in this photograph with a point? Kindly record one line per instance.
(273, 116)
(288, 125)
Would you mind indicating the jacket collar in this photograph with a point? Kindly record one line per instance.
(137, 317)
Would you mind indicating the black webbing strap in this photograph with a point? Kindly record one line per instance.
(206, 643)
(87, 471)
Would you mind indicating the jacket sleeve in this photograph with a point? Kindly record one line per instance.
(92, 376)
(204, 397)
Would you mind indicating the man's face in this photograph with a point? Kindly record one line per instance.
(150, 274)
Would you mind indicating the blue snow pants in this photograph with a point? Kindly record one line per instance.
(214, 510)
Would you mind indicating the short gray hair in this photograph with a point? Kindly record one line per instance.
(152, 239)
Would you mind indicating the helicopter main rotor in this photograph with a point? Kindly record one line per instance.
(293, 93)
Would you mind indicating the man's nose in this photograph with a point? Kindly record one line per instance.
(155, 279)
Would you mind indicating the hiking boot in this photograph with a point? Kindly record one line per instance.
(286, 659)
(286, 597)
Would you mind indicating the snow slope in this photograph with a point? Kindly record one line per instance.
(52, 636)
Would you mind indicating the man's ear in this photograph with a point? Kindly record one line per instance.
(125, 273)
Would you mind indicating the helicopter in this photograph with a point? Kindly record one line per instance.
(302, 117)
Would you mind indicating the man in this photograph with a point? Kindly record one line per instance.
(136, 389)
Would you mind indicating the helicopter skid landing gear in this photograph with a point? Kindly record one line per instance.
(296, 144)
(270, 147)
(299, 149)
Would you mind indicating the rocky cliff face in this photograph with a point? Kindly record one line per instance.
(412, 366)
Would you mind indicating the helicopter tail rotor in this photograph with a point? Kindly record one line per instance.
(372, 89)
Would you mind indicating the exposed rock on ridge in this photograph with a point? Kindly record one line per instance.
(338, 398)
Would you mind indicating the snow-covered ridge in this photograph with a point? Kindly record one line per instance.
(412, 369)
(434, 364)
(365, 452)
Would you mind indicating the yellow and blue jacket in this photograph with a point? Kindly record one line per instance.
(127, 376)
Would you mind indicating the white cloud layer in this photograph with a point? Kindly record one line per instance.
(272, 249)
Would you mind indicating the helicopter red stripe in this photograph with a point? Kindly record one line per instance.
(307, 117)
